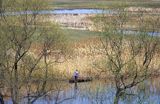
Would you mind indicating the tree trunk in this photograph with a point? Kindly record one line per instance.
(0, 6)
(117, 96)
(15, 87)
(1, 99)
(46, 71)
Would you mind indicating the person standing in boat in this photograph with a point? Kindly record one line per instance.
(76, 75)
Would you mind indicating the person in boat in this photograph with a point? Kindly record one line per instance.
(76, 75)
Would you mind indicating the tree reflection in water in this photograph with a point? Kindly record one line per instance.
(75, 89)
(100, 92)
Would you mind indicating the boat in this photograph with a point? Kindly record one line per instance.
(80, 79)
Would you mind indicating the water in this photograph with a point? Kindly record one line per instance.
(83, 93)
(63, 11)
(81, 11)
(136, 32)
(69, 11)
(100, 92)
(75, 11)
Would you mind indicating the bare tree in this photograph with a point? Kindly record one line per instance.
(0, 6)
(51, 40)
(18, 61)
(127, 56)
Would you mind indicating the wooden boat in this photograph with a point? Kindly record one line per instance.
(81, 79)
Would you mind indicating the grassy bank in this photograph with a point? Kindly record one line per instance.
(104, 3)
(77, 35)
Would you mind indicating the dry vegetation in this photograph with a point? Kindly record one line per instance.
(85, 56)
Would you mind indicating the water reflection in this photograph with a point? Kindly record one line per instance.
(75, 89)
(96, 92)
(100, 92)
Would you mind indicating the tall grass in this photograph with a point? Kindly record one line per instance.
(87, 52)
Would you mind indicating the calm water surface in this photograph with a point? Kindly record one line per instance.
(63, 11)
(101, 92)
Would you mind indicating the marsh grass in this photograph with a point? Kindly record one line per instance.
(86, 54)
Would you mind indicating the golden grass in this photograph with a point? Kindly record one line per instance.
(84, 56)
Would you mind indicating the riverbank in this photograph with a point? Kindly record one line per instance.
(104, 3)
(85, 21)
